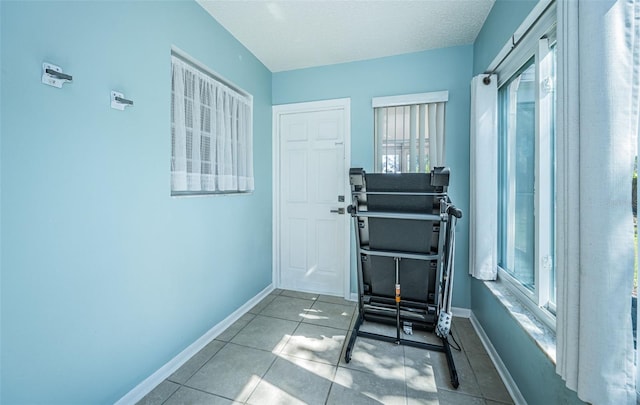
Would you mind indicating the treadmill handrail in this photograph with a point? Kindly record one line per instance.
(407, 193)
(399, 254)
(396, 215)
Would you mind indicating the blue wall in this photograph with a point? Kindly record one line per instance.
(435, 70)
(532, 371)
(503, 20)
(105, 277)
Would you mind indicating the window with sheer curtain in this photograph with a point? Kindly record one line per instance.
(409, 132)
(211, 133)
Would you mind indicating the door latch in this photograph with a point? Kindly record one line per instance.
(338, 211)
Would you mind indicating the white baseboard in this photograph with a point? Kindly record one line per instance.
(461, 312)
(146, 386)
(508, 381)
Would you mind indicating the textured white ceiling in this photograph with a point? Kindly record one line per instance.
(294, 34)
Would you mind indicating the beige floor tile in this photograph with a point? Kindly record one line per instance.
(489, 380)
(327, 314)
(194, 363)
(299, 294)
(233, 372)
(317, 343)
(357, 387)
(294, 381)
(421, 363)
(288, 308)
(266, 333)
(455, 398)
(159, 394)
(262, 304)
(236, 327)
(420, 370)
(336, 300)
(421, 398)
(465, 334)
(384, 359)
(189, 396)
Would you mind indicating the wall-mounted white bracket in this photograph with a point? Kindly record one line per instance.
(52, 75)
(118, 101)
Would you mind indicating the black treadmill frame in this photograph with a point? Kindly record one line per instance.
(374, 308)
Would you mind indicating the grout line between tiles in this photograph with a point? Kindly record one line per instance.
(173, 393)
(210, 393)
(196, 372)
(262, 378)
(326, 400)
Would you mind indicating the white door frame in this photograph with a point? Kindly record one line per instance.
(313, 106)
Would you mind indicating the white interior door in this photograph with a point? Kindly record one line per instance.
(313, 226)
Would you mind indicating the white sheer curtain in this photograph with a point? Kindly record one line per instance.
(483, 177)
(212, 141)
(597, 123)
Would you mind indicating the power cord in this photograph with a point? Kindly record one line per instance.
(457, 345)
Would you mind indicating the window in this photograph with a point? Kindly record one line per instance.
(526, 171)
(409, 132)
(211, 132)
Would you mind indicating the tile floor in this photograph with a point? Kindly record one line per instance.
(289, 349)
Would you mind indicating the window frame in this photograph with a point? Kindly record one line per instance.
(205, 70)
(537, 43)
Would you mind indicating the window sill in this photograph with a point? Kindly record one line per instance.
(543, 336)
(207, 193)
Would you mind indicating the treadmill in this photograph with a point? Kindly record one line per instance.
(405, 235)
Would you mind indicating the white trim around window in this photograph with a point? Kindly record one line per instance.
(410, 99)
(537, 43)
